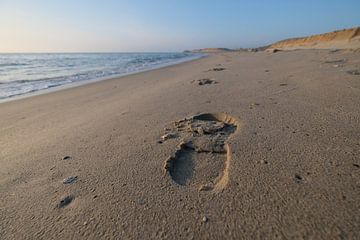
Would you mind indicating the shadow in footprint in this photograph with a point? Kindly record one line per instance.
(181, 169)
(203, 157)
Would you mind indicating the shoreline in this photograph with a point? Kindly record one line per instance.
(84, 82)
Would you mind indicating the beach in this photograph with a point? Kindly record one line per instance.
(287, 166)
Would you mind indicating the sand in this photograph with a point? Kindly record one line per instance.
(268, 148)
(340, 39)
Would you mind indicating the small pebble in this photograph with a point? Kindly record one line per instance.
(205, 219)
(66, 158)
(297, 178)
(263, 161)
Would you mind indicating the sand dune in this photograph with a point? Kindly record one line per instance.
(342, 39)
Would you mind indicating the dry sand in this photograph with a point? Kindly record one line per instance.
(282, 163)
(340, 39)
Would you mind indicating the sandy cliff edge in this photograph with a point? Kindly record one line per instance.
(341, 39)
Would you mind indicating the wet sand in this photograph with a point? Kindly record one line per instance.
(232, 146)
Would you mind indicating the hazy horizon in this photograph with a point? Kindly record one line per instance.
(163, 26)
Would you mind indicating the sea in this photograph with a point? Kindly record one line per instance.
(25, 73)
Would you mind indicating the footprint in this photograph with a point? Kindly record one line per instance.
(65, 201)
(203, 157)
(336, 61)
(70, 180)
(354, 72)
(218, 69)
(205, 81)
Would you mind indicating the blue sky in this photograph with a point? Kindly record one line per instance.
(164, 25)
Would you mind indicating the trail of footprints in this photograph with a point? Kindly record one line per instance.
(202, 158)
(209, 81)
(65, 201)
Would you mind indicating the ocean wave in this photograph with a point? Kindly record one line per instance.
(12, 64)
(45, 71)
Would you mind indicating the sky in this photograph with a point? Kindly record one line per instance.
(164, 25)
